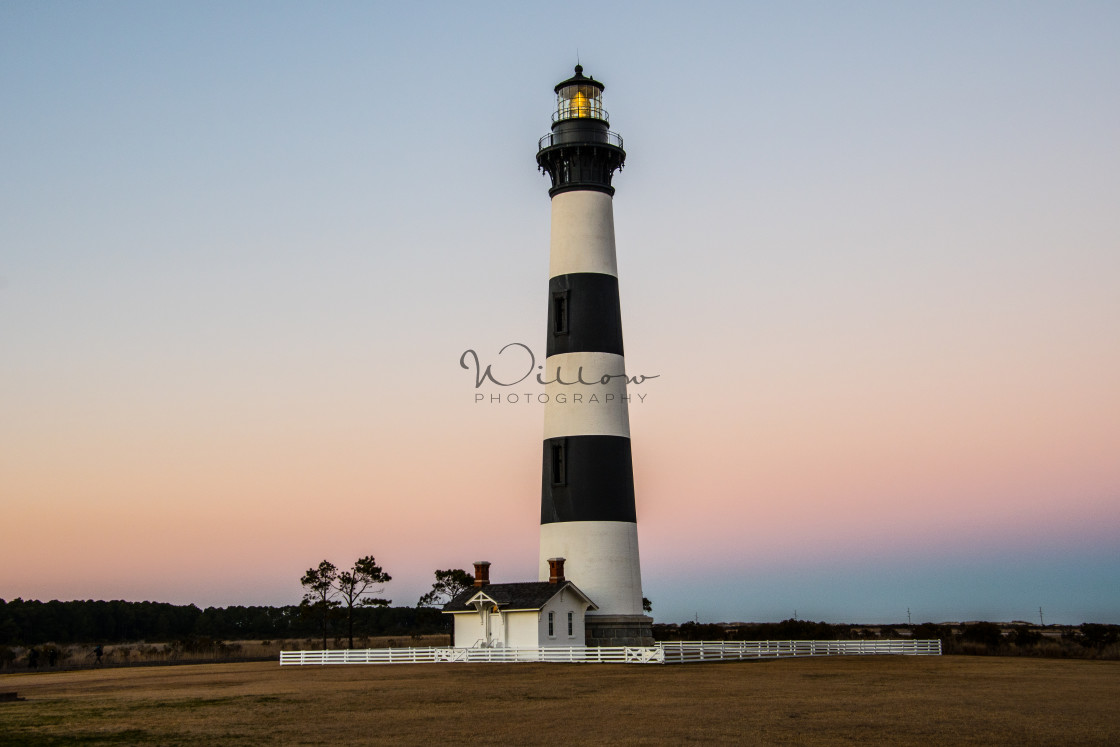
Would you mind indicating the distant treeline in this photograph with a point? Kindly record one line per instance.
(30, 623)
(787, 630)
(1088, 640)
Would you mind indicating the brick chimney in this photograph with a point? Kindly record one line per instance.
(555, 570)
(481, 573)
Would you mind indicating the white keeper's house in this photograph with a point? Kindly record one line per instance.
(533, 614)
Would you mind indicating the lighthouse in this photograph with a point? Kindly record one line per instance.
(588, 516)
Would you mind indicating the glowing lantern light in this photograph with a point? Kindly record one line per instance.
(581, 107)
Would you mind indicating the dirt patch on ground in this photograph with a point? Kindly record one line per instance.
(883, 699)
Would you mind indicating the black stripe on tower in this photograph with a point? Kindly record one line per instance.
(587, 478)
(584, 314)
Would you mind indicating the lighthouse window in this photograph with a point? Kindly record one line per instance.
(551, 631)
(560, 312)
(559, 464)
(570, 626)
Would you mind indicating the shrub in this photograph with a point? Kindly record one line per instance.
(984, 633)
(930, 631)
(1094, 635)
(1024, 637)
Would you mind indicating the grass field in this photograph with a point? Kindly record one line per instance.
(873, 699)
(80, 656)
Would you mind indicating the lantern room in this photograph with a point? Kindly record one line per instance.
(579, 97)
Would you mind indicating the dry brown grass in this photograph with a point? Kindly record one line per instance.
(75, 656)
(895, 700)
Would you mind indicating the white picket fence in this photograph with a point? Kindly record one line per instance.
(661, 653)
(695, 651)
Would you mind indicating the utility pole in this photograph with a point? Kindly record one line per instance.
(1040, 622)
(908, 616)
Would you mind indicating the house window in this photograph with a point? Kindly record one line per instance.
(571, 615)
(559, 463)
(560, 312)
(551, 632)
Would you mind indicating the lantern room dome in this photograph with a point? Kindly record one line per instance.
(580, 79)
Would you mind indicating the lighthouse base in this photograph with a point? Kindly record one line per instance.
(618, 630)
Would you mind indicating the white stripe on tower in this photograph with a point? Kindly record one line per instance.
(582, 237)
(570, 410)
(608, 567)
(587, 486)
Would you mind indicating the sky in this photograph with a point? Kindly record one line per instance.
(870, 250)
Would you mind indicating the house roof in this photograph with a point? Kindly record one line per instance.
(528, 595)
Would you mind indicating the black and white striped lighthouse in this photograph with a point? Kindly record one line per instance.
(587, 486)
